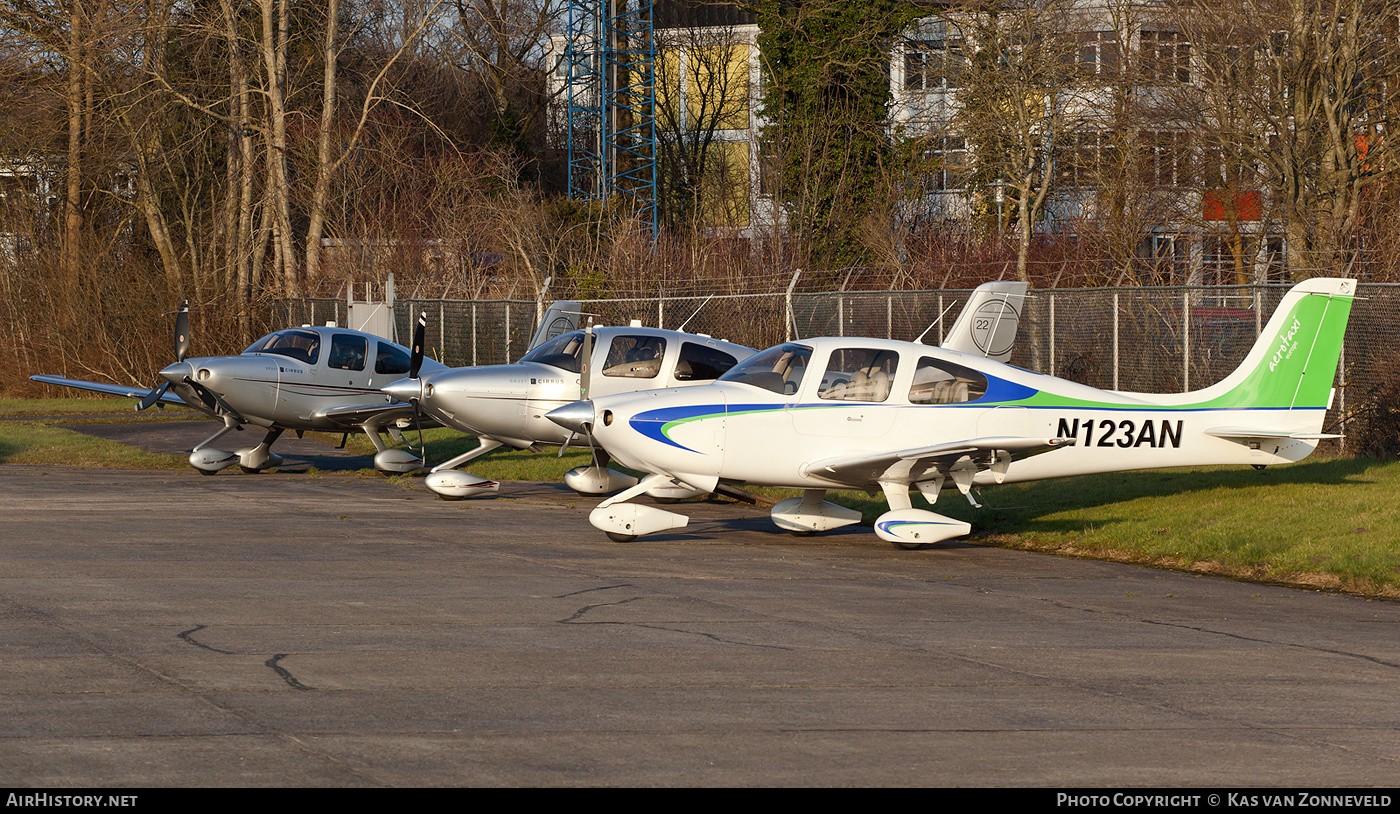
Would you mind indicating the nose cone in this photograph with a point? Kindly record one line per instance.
(575, 417)
(405, 389)
(176, 372)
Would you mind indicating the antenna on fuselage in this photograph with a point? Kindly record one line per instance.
(920, 340)
(693, 313)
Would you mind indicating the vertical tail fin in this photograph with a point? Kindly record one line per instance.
(1294, 362)
(562, 317)
(988, 322)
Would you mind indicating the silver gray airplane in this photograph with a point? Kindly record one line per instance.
(320, 379)
(505, 405)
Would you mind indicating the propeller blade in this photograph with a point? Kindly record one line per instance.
(593, 448)
(182, 331)
(587, 357)
(220, 407)
(419, 332)
(152, 397)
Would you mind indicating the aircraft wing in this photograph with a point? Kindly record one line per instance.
(127, 391)
(351, 416)
(933, 463)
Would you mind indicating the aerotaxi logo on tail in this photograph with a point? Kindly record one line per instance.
(1286, 345)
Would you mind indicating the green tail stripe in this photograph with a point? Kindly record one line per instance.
(1298, 368)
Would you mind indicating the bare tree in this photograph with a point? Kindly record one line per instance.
(703, 124)
(1295, 91)
(1021, 102)
(504, 42)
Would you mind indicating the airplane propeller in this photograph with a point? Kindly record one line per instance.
(575, 417)
(414, 365)
(585, 379)
(419, 331)
(182, 348)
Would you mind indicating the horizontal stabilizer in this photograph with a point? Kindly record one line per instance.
(1246, 435)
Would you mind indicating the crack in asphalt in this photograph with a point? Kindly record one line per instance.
(573, 620)
(1313, 648)
(186, 637)
(286, 676)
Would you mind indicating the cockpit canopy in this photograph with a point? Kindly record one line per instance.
(635, 356)
(296, 343)
(862, 374)
(348, 350)
(563, 352)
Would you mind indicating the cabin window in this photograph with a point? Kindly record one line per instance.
(347, 352)
(562, 352)
(699, 363)
(779, 369)
(939, 382)
(859, 374)
(392, 359)
(635, 357)
(303, 346)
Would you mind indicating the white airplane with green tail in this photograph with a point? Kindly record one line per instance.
(891, 417)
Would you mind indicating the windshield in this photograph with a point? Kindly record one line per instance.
(778, 369)
(562, 352)
(304, 346)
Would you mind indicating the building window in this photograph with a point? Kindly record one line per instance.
(1082, 161)
(1164, 159)
(933, 65)
(1162, 260)
(1275, 261)
(948, 164)
(1226, 260)
(1099, 54)
(1165, 56)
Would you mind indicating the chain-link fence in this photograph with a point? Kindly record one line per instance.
(1150, 340)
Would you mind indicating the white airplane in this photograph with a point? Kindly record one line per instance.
(319, 379)
(882, 416)
(505, 405)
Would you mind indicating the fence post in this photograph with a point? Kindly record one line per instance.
(1052, 334)
(1186, 340)
(1259, 303)
(791, 317)
(1115, 340)
(539, 300)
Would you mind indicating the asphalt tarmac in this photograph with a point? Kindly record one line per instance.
(161, 628)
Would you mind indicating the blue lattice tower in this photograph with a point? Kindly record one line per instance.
(611, 57)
